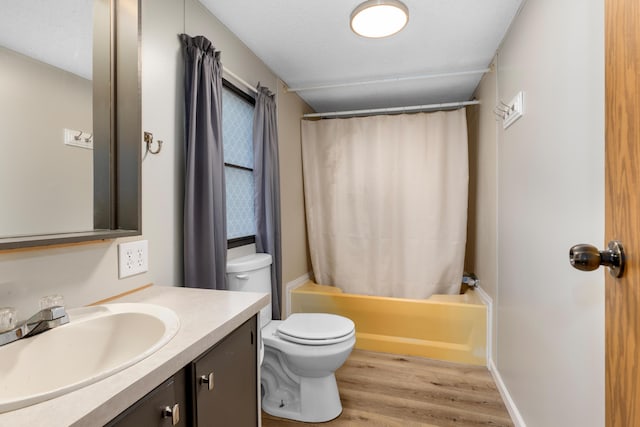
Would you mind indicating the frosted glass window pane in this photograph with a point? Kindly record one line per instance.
(237, 129)
(240, 210)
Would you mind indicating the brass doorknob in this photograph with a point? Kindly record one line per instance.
(587, 258)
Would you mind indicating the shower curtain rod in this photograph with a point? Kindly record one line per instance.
(390, 80)
(239, 79)
(427, 107)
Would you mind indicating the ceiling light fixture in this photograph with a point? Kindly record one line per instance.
(379, 18)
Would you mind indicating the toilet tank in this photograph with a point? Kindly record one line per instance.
(252, 273)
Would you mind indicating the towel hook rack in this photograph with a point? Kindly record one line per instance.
(148, 139)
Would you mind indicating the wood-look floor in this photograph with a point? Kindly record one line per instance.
(380, 389)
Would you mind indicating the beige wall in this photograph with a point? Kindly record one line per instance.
(163, 115)
(45, 186)
(550, 195)
(482, 240)
(295, 253)
(86, 273)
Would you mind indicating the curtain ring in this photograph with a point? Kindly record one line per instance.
(148, 139)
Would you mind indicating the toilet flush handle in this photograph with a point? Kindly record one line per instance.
(242, 276)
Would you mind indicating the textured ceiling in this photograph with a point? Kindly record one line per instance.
(309, 43)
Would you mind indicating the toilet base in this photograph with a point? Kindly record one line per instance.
(315, 400)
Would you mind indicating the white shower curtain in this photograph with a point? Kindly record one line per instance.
(386, 202)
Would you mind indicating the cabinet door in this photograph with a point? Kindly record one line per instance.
(225, 381)
(165, 406)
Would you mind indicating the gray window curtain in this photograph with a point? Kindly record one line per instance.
(267, 187)
(205, 225)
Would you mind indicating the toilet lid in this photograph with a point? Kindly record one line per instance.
(320, 327)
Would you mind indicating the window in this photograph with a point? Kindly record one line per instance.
(237, 137)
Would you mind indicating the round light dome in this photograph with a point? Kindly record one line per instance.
(379, 18)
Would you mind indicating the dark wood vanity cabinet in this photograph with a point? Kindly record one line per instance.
(165, 406)
(219, 388)
(225, 386)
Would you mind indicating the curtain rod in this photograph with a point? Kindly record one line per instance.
(391, 80)
(239, 79)
(426, 107)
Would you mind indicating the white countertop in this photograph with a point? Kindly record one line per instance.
(206, 317)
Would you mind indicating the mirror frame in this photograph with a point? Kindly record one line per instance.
(117, 130)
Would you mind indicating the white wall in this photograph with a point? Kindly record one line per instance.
(550, 330)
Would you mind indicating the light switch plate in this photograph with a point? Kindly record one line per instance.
(133, 258)
(515, 110)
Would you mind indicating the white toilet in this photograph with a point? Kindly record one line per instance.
(301, 354)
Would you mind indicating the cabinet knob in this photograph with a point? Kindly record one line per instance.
(208, 380)
(173, 413)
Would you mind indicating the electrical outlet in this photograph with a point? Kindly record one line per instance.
(133, 258)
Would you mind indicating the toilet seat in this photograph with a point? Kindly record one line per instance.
(314, 341)
(316, 329)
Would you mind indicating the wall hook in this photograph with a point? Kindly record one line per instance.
(148, 138)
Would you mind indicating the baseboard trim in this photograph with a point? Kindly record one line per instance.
(488, 301)
(290, 287)
(516, 417)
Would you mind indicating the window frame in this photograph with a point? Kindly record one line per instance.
(243, 240)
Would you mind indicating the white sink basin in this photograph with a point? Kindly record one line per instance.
(96, 343)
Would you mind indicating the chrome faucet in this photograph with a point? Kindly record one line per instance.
(45, 319)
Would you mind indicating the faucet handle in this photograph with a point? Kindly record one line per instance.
(51, 301)
(8, 318)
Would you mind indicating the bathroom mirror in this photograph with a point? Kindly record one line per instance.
(69, 121)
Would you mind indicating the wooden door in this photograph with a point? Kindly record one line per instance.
(622, 211)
